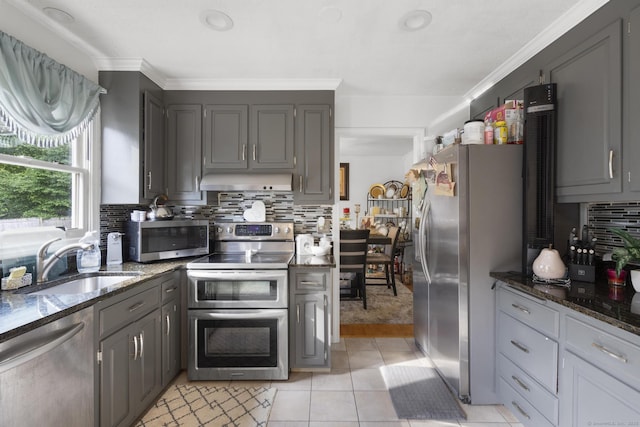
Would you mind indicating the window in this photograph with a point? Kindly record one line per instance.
(49, 186)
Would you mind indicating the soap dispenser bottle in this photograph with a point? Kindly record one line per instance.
(88, 261)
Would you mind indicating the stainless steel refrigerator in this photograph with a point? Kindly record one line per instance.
(461, 238)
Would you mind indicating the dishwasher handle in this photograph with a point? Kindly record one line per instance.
(37, 347)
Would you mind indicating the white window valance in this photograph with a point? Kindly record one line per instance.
(42, 101)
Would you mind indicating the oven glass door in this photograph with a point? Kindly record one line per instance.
(241, 344)
(238, 289)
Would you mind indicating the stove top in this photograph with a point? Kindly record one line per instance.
(239, 261)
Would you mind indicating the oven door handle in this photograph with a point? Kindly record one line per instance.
(235, 314)
(251, 275)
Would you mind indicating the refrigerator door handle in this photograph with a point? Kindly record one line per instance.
(424, 240)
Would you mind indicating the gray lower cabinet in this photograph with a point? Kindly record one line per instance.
(184, 153)
(527, 358)
(314, 139)
(600, 374)
(129, 353)
(559, 367)
(310, 346)
(589, 149)
(171, 328)
(133, 147)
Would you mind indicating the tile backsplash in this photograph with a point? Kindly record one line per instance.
(603, 216)
(230, 208)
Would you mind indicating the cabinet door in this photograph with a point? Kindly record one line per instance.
(632, 147)
(170, 341)
(310, 330)
(146, 372)
(482, 105)
(589, 123)
(154, 165)
(592, 397)
(314, 160)
(272, 143)
(115, 369)
(184, 153)
(225, 136)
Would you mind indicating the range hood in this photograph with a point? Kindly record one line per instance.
(247, 182)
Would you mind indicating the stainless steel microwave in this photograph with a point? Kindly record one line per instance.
(159, 240)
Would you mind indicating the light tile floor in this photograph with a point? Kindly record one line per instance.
(354, 394)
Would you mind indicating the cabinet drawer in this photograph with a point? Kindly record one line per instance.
(310, 281)
(534, 352)
(528, 388)
(619, 357)
(170, 288)
(523, 410)
(124, 312)
(530, 312)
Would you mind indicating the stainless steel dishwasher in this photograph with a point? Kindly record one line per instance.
(46, 375)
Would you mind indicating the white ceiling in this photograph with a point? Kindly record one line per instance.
(353, 46)
(309, 42)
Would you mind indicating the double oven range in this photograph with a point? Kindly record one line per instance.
(238, 304)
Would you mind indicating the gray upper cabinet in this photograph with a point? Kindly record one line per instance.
(632, 105)
(225, 141)
(271, 137)
(314, 141)
(184, 153)
(482, 105)
(589, 149)
(133, 166)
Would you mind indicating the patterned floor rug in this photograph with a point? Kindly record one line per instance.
(211, 406)
(382, 307)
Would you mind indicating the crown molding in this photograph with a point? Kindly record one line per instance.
(561, 25)
(131, 64)
(252, 84)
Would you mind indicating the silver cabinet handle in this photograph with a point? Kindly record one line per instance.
(168, 324)
(520, 410)
(519, 382)
(610, 164)
(149, 185)
(141, 344)
(309, 283)
(254, 152)
(298, 312)
(521, 308)
(610, 353)
(244, 151)
(135, 347)
(197, 183)
(168, 291)
(300, 184)
(520, 346)
(135, 306)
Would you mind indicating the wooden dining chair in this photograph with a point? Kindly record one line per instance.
(353, 264)
(386, 259)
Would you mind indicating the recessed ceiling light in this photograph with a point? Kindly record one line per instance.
(58, 15)
(216, 20)
(415, 20)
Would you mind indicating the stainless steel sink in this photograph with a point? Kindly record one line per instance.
(86, 284)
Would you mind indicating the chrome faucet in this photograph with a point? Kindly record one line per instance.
(44, 265)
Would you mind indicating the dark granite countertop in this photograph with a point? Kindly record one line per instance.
(21, 312)
(313, 261)
(621, 310)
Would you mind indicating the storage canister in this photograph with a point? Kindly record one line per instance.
(500, 133)
(473, 132)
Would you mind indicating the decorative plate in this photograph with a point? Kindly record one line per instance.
(404, 191)
(376, 190)
(391, 191)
